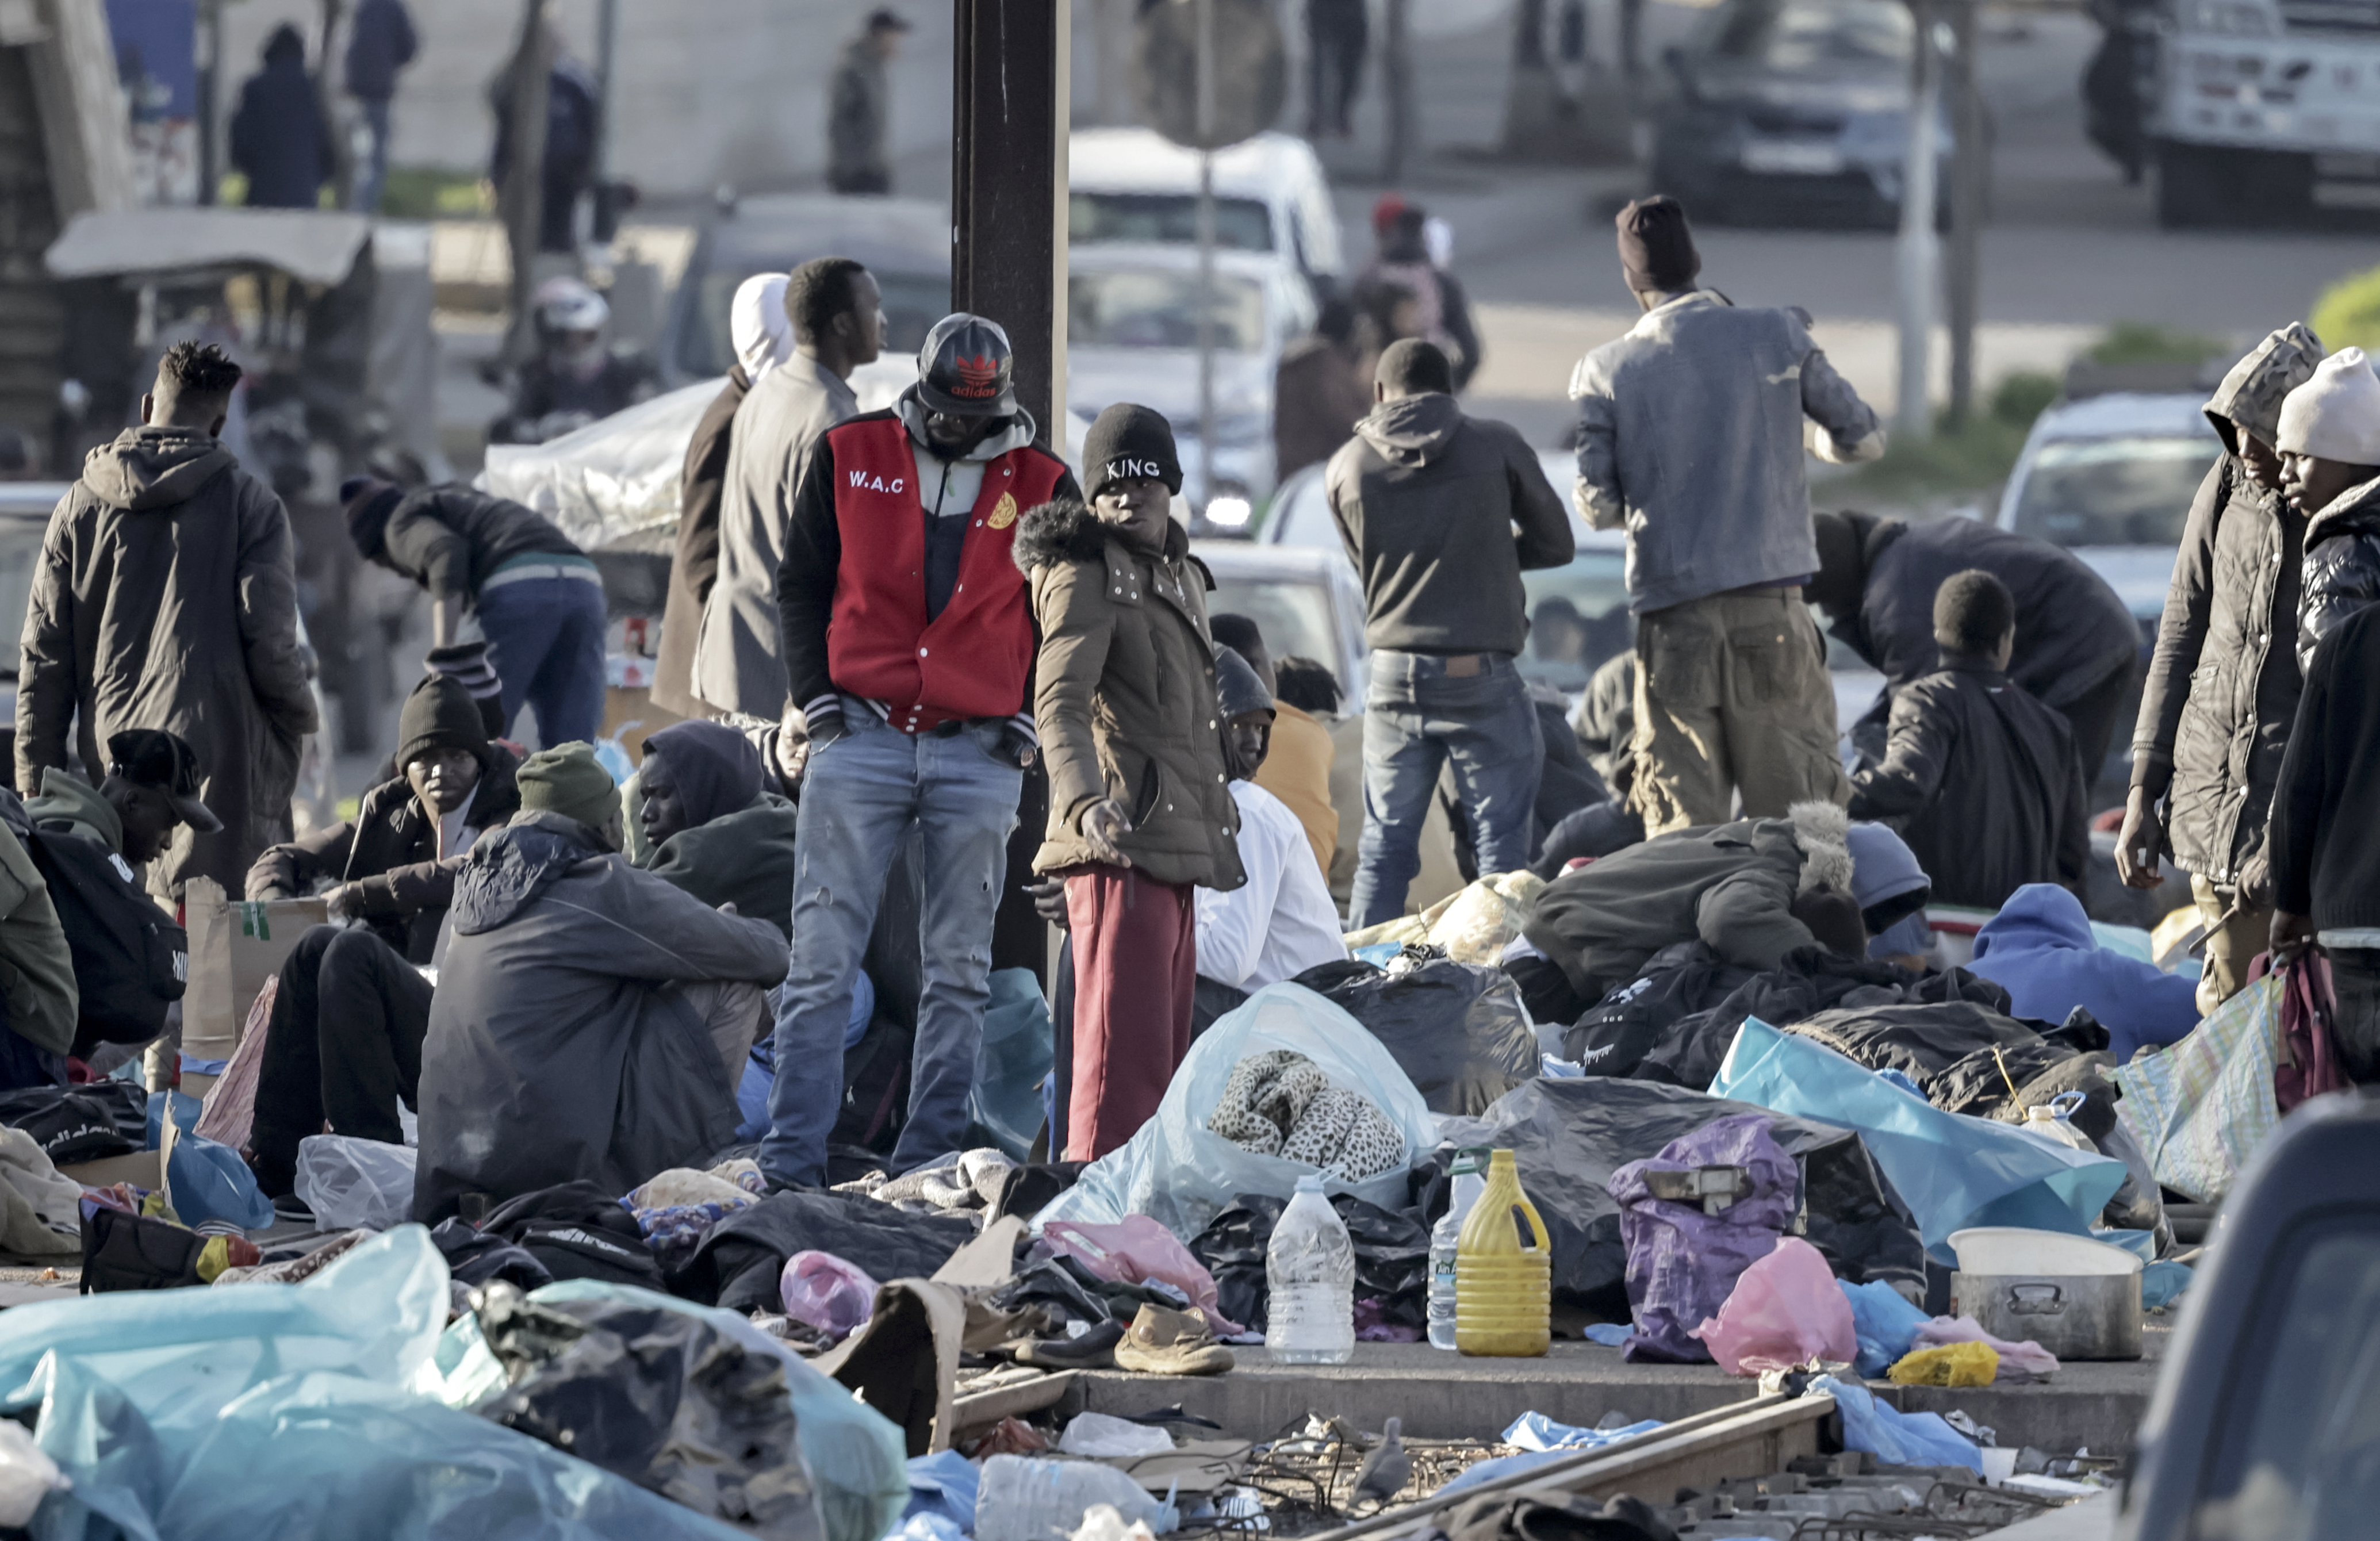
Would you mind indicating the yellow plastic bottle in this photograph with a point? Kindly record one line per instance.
(1504, 1291)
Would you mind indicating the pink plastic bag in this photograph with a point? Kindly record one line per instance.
(2019, 1362)
(1139, 1248)
(1786, 1311)
(827, 1293)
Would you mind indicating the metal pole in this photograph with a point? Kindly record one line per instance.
(1970, 181)
(1917, 254)
(210, 73)
(607, 44)
(521, 197)
(1206, 253)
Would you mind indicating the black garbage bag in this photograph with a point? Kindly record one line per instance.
(1457, 1030)
(80, 1123)
(577, 1230)
(737, 1264)
(659, 1397)
(1391, 1257)
(1569, 1136)
(1615, 1036)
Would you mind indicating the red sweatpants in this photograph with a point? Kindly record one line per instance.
(1136, 974)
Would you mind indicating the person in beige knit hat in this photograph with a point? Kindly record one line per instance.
(2330, 468)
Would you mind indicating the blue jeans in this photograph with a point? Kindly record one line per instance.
(545, 637)
(860, 796)
(1418, 718)
(372, 176)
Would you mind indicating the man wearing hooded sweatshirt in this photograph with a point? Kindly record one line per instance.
(1690, 438)
(353, 1006)
(2222, 688)
(1140, 814)
(591, 1019)
(908, 650)
(278, 139)
(2330, 467)
(2041, 949)
(165, 599)
(709, 825)
(1441, 513)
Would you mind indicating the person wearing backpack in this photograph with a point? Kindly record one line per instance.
(90, 846)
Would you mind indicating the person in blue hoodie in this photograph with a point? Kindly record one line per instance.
(2041, 950)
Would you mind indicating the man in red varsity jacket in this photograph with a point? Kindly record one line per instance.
(908, 646)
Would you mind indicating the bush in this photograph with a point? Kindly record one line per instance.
(2145, 343)
(2021, 396)
(425, 192)
(2348, 314)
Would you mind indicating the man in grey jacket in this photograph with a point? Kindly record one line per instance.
(1690, 438)
(1440, 513)
(838, 319)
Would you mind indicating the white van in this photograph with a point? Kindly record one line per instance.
(1135, 186)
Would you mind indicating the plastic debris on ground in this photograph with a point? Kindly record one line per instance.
(1786, 1311)
(1608, 1334)
(355, 1184)
(1688, 1244)
(1535, 1431)
(1953, 1172)
(826, 1293)
(1886, 1324)
(1573, 1440)
(1896, 1437)
(1024, 1499)
(1965, 1363)
(942, 1485)
(1100, 1434)
(2161, 1283)
(1138, 1250)
(2019, 1362)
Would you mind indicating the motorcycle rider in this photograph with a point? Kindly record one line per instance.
(574, 378)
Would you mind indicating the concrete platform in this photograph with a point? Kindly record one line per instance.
(1445, 1396)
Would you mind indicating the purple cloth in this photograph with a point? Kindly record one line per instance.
(1683, 1263)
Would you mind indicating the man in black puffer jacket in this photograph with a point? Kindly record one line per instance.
(2223, 688)
(2330, 466)
(352, 1005)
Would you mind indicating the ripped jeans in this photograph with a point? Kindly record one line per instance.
(861, 794)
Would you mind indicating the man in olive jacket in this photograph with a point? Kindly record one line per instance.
(165, 599)
(1140, 811)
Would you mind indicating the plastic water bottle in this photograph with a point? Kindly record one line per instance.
(1310, 1283)
(1470, 1174)
(1022, 1499)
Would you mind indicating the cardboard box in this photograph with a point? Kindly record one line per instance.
(235, 945)
(142, 1169)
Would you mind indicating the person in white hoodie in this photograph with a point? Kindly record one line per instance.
(2330, 470)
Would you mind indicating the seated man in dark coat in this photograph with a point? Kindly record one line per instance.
(352, 1006)
(1979, 778)
(588, 1014)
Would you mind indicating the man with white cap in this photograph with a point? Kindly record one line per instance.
(2330, 468)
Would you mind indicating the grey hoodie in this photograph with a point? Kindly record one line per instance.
(1427, 501)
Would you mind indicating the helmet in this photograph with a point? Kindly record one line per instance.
(568, 305)
(966, 368)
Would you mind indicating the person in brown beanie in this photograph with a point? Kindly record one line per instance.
(1690, 438)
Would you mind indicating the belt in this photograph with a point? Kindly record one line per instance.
(523, 572)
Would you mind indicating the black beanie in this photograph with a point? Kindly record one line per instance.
(1128, 442)
(1656, 249)
(439, 714)
(370, 502)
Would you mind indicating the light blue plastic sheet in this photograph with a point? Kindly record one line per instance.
(1952, 1170)
(1566, 1441)
(263, 1412)
(1896, 1437)
(209, 1181)
(944, 1485)
(1887, 1325)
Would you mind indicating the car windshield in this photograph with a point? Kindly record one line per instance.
(1578, 617)
(2127, 491)
(1293, 613)
(2299, 1455)
(1165, 219)
(1158, 307)
(20, 549)
(1795, 37)
(913, 303)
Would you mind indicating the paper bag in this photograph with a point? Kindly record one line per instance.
(235, 945)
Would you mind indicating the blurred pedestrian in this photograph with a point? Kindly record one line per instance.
(836, 321)
(1690, 438)
(573, 122)
(2325, 845)
(1321, 387)
(1980, 778)
(278, 139)
(1140, 812)
(861, 108)
(763, 334)
(2077, 644)
(1401, 260)
(538, 597)
(1295, 766)
(1441, 513)
(380, 44)
(2222, 688)
(165, 597)
(1337, 32)
(908, 644)
(2330, 466)
(576, 376)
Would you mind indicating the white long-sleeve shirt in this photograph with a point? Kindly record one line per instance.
(1281, 922)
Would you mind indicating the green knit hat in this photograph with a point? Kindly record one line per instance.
(569, 780)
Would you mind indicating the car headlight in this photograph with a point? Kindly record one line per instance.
(1228, 510)
(2244, 18)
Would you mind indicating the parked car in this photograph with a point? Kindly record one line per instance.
(1304, 600)
(1134, 186)
(2265, 1420)
(1132, 335)
(905, 243)
(1795, 109)
(2111, 478)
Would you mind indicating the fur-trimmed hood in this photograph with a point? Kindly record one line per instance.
(1064, 529)
(1823, 830)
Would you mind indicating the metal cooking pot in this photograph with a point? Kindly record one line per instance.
(2072, 1316)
